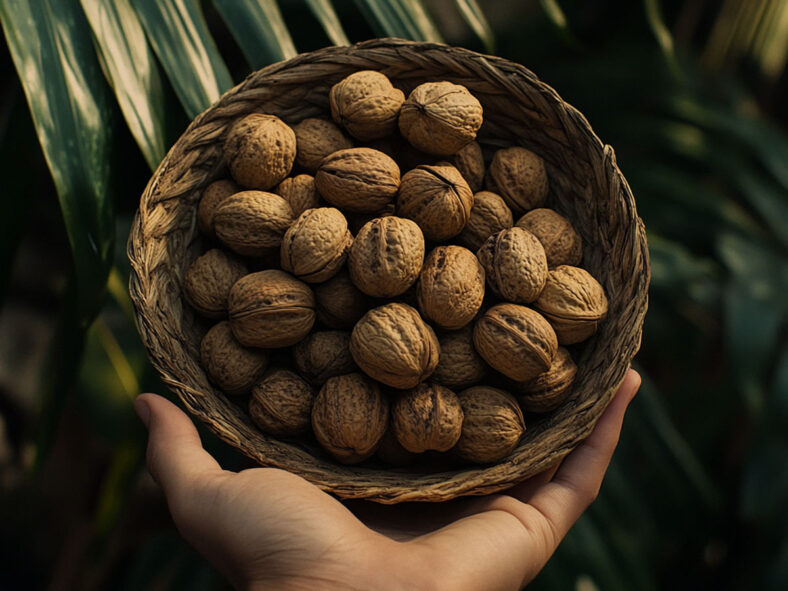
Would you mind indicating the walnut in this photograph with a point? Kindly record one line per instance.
(406, 156)
(356, 221)
(358, 179)
(518, 175)
(366, 104)
(349, 417)
(259, 151)
(208, 280)
(230, 366)
(281, 404)
(440, 117)
(252, 222)
(386, 256)
(428, 417)
(437, 198)
(392, 344)
(391, 451)
(459, 365)
(492, 426)
(210, 199)
(515, 264)
(573, 302)
(515, 340)
(470, 162)
(316, 139)
(271, 309)
(300, 193)
(340, 304)
(323, 355)
(549, 389)
(561, 243)
(451, 286)
(489, 215)
(315, 247)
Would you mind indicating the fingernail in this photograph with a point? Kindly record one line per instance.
(143, 411)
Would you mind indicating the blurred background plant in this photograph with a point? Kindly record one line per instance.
(692, 95)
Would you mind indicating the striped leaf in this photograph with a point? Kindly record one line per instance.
(473, 15)
(407, 19)
(325, 13)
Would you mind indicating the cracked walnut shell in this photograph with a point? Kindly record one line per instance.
(316, 139)
(519, 176)
(358, 179)
(492, 426)
(366, 104)
(259, 151)
(515, 264)
(230, 366)
(428, 417)
(281, 404)
(252, 222)
(315, 247)
(208, 281)
(562, 244)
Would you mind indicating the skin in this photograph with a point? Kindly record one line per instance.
(265, 528)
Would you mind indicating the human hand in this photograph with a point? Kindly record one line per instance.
(265, 528)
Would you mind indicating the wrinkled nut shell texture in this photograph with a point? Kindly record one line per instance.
(340, 304)
(316, 139)
(562, 244)
(230, 366)
(323, 355)
(315, 247)
(515, 340)
(386, 256)
(470, 162)
(548, 390)
(459, 365)
(208, 281)
(210, 199)
(271, 309)
(358, 179)
(281, 404)
(252, 222)
(492, 426)
(300, 193)
(429, 417)
(259, 151)
(518, 175)
(440, 117)
(515, 264)
(489, 215)
(349, 417)
(392, 344)
(451, 287)
(573, 302)
(366, 104)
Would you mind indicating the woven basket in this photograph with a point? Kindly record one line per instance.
(585, 185)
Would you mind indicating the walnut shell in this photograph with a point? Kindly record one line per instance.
(386, 256)
(281, 404)
(366, 104)
(210, 199)
(356, 221)
(492, 426)
(230, 366)
(316, 139)
(300, 193)
(489, 215)
(259, 151)
(252, 222)
(437, 198)
(358, 179)
(323, 355)
(562, 245)
(549, 389)
(573, 302)
(451, 286)
(208, 281)
(271, 309)
(349, 417)
(428, 417)
(392, 344)
(315, 247)
(440, 117)
(340, 304)
(469, 160)
(515, 340)
(515, 264)
(459, 365)
(518, 175)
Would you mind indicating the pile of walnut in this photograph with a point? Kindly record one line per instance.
(412, 328)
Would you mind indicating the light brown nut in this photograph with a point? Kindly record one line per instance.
(393, 345)
(349, 417)
(492, 426)
(208, 280)
(386, 256)
(259, 151)
(515, 264)
(470, 162)
(515, 340)
(300, 193)
(230, 366)
(428, 417)
(549, 389)
(316, 139)
(210, 199)
(437, 198)
(573, 302)
(366, 104)
(252, 222)
(271, 309)
(562, 245)
(440, 117)
(489, 215)
(340, 304)
(281, 404)
(358, 179)
(459, 365)
(518, 175)
(323, 355)
(315, 247)
(451, 286)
